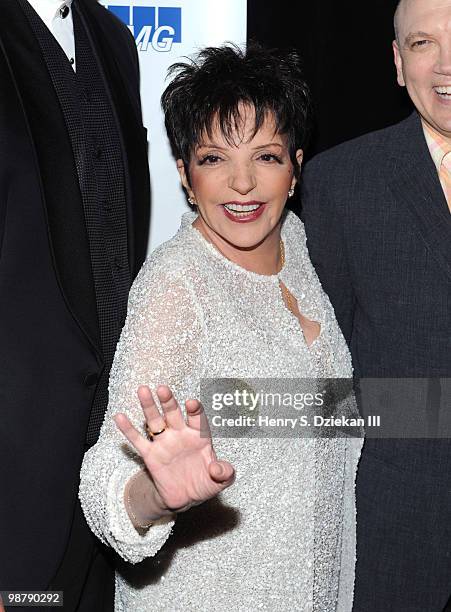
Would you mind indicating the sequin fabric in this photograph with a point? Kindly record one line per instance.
(283, 536)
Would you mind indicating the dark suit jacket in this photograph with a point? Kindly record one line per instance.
(50, 355)
(379, 235)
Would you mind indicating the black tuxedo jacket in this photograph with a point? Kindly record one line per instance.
(379, 235)
(50, 355)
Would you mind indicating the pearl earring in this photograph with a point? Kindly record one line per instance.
(291, 192)
(191, 201)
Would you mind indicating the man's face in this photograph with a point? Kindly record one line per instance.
(423, 59)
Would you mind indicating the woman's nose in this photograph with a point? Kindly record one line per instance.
(242, 179)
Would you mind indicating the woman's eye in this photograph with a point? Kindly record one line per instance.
(270, 157)
(209, 160)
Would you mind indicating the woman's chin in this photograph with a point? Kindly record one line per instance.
(245, 242)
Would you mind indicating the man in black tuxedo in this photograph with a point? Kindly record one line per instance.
(74, 212)
(378, 223)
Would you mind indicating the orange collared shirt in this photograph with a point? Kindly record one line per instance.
(440, 151)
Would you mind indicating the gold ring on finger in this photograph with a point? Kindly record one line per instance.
(157, 433)
(151, 434)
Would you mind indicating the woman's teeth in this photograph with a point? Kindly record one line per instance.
(241, 210)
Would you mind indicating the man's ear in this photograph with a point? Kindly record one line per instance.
(184, 179)
(398, 64)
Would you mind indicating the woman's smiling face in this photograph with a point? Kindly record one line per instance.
(240, 187)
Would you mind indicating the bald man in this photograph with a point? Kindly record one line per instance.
(378, 222)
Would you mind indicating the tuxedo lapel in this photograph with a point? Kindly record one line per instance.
(125, 102)
(416, 184)
(55, 164)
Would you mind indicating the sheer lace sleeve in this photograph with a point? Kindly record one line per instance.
(160, 344)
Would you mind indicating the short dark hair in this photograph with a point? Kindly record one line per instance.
(219, 80)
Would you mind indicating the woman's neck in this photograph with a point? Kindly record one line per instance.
(264, 258)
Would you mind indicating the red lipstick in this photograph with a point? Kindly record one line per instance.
(243, 216)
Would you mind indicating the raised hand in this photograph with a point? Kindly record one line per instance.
(182, 468)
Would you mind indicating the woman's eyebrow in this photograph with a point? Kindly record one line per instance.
(269, 144)
(214, 145)
(210, 145)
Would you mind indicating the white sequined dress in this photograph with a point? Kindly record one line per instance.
(283, 536)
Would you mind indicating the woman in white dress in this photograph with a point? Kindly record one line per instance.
(232, 295)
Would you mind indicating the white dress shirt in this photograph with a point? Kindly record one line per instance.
(58, 19)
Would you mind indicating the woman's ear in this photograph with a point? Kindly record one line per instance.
(299, 158)
(183, 177)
